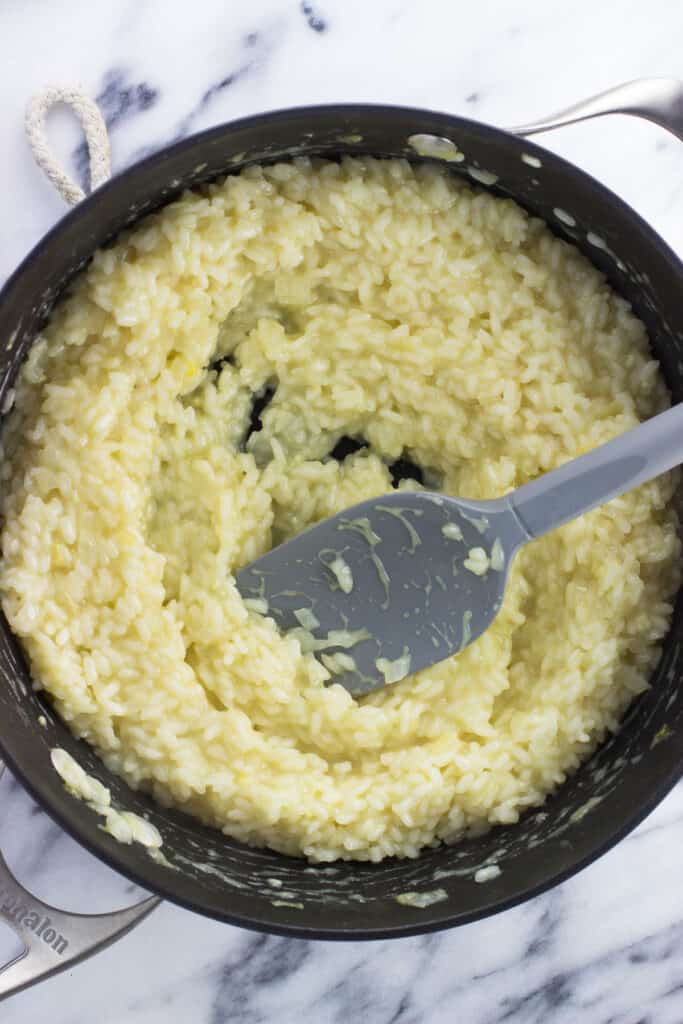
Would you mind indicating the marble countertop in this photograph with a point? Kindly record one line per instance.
(605, 947)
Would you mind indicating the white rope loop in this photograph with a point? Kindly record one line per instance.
(94, 129)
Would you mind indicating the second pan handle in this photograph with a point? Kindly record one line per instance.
(655, 99)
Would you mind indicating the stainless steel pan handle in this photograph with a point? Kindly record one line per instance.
(54, 939)
(655, 99)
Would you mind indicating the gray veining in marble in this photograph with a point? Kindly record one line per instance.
(607, 946)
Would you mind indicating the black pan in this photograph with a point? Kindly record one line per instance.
(594, 809)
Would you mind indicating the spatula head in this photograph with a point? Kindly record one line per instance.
(389, 586)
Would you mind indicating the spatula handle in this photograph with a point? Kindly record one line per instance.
(595, 478)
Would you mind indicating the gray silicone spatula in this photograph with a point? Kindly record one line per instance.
(400, 582)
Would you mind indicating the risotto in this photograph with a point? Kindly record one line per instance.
(370, 299)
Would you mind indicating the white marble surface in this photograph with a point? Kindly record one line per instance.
(607, 946)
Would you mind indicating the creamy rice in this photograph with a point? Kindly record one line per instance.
(381, 301)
